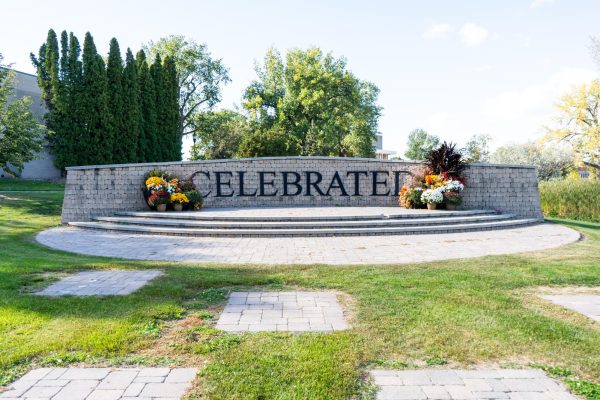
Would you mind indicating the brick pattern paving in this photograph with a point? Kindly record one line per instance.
(282, 311)
(102, 384)
(511, 384)
(100, 283)
(310, 250)
(586, 304)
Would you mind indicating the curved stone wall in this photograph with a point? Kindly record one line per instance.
(288, 181)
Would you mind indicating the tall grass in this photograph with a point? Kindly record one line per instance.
(571, 198)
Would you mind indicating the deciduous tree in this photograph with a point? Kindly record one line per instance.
(420, 143)
(21, 135)
(577, 123)
(199, 76)
(219, 134)
(477, 148)
(551, 160)
(315, 98)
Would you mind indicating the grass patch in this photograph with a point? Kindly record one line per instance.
(458, 312)
(577, 199)
(8, 184)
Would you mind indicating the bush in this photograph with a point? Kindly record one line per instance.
(571, 198)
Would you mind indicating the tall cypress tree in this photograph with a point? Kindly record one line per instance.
(161, 138)
(48, 77)
(73, 81)
(132, 114)
(148, 151)
(115, 101)
(96, 140)
(171, 99)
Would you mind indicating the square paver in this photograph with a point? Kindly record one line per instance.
(100, 283)
(510, 384)
(586, 304)
(282, 312)
(101, 384)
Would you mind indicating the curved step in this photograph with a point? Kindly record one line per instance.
(183, 223)
(213, 215)
(426, 229)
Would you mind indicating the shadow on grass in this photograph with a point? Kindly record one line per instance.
(38, 203)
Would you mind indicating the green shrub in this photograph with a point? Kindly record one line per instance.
(571, 198)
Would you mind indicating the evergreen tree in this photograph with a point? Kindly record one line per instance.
(73, 81)
(161, 138)
(132, 114)
(147, 144)
(115, 101)
(171, 99)
(96, 142)
(48, 76)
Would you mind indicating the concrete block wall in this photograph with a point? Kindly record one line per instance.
(93, 191)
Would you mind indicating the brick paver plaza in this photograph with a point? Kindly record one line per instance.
(102, 384)
(512, 384)
(100, 283)
(586, 304)
(282, 311)
(310, 250)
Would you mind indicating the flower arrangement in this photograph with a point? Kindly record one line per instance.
(440, 183)
(432, 196)
(162, 189)
(179, 198)
(453, 186)
(155, 183)
(159, 200)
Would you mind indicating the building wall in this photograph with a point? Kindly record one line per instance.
(42, 167)
(101, 190)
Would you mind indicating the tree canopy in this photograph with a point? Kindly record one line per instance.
(477, 148)
(420, 143)
(313, 97)
(551, 160)
(577, 123)
(21, 135)
(199, 77)
(219, 135)
(113, 112)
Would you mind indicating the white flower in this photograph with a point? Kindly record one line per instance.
(453, 186)
(433, 196)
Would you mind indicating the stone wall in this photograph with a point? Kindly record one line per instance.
(291, 181)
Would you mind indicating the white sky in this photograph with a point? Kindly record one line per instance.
(454, 68)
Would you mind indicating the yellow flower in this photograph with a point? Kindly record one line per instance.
(179, 198)
(154, 181)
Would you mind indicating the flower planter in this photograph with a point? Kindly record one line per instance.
(161, 208)
(450, 207)
(431, 206)
(147, 194)
(177, 207)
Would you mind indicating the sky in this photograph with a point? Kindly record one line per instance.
(454, 68)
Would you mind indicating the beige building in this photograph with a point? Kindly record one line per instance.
(42, 167)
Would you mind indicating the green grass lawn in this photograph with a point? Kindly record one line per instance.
(457, 313)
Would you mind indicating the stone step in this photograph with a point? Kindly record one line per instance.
(183, 223)
(278, 214)
(393, 230)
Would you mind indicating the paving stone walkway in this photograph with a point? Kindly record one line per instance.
(102, 384)
(586, 304)
(282, 311)
(512, 384)
(310, 250)
(100, 283)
